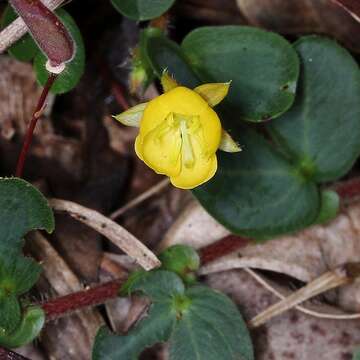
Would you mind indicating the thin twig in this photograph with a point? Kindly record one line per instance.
(6, 354)
(141, 198)
(325, 282)
(17, 28)
(321, 315)
(110, 229)
(30, 131)
(67, 304)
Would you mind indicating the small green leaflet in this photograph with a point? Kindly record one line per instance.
(142, 9)
(23, 208)
(198, 322)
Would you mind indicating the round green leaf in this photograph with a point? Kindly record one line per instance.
(23, 208)
(262, 65)
(322, 130)
(17, 273)
(142, 9)
(257, 193)
(164, 54)
(69, 78)
(211, 328)
(10, 312)
(330, 205)
(182, 260)
(32, 322)
(25, 49)
(162, 287)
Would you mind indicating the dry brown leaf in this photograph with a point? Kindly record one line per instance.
(304, 255)
(303, 16)
(292, 335)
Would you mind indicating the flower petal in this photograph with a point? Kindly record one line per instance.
(202, 171)
(161, 149)
(213, 93)
(180, 100)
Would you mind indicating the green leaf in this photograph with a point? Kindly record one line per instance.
(155, 328)
(356, 354)
(30, 327)
(162, 287)
(17, 273)
(69, 78)
(25, 49)
(210, 329)
(10, 312)
(142, 9)
(158, 285)
(23, 208)
(330, 204)
(182, 260)
(257, 193)
(322, 129)
(263, 67)
(164, 54)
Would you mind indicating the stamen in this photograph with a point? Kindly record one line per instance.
(188, 158)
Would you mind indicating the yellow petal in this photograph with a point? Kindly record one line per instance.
(161, 149)
(186, 102)
(138, 147)
(203, 171)
(213, 93)
(228, 144)
(180, 100)
(132, 116)
(167, 82)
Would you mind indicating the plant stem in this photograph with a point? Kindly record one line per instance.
(6, 354)
(100, 294)
(221, 248)
(97, 295)
(29, 134)
(64, 305)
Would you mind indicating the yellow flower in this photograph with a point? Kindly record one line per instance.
(180, 132)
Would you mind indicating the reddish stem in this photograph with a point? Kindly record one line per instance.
(118, 93)
(69, 303)
(61, 306)
(221, 248)
(30, 131)
(100, 294)
(348, 189)
(6, 354)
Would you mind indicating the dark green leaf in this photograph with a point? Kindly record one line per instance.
(262, 65)
(162, 287)
(17, 273)
(257, 193)
(182, 260)
(24, 49)
(30, 327)
(210, 329)
(10, 312)
(142, 9)
(69, 78)
(162, 53)
(155, 328)
(322, 129)
(330, 204)
(23, 208)
(158, 285)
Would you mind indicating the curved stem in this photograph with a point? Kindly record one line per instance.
(30, 131)
(67, 304)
